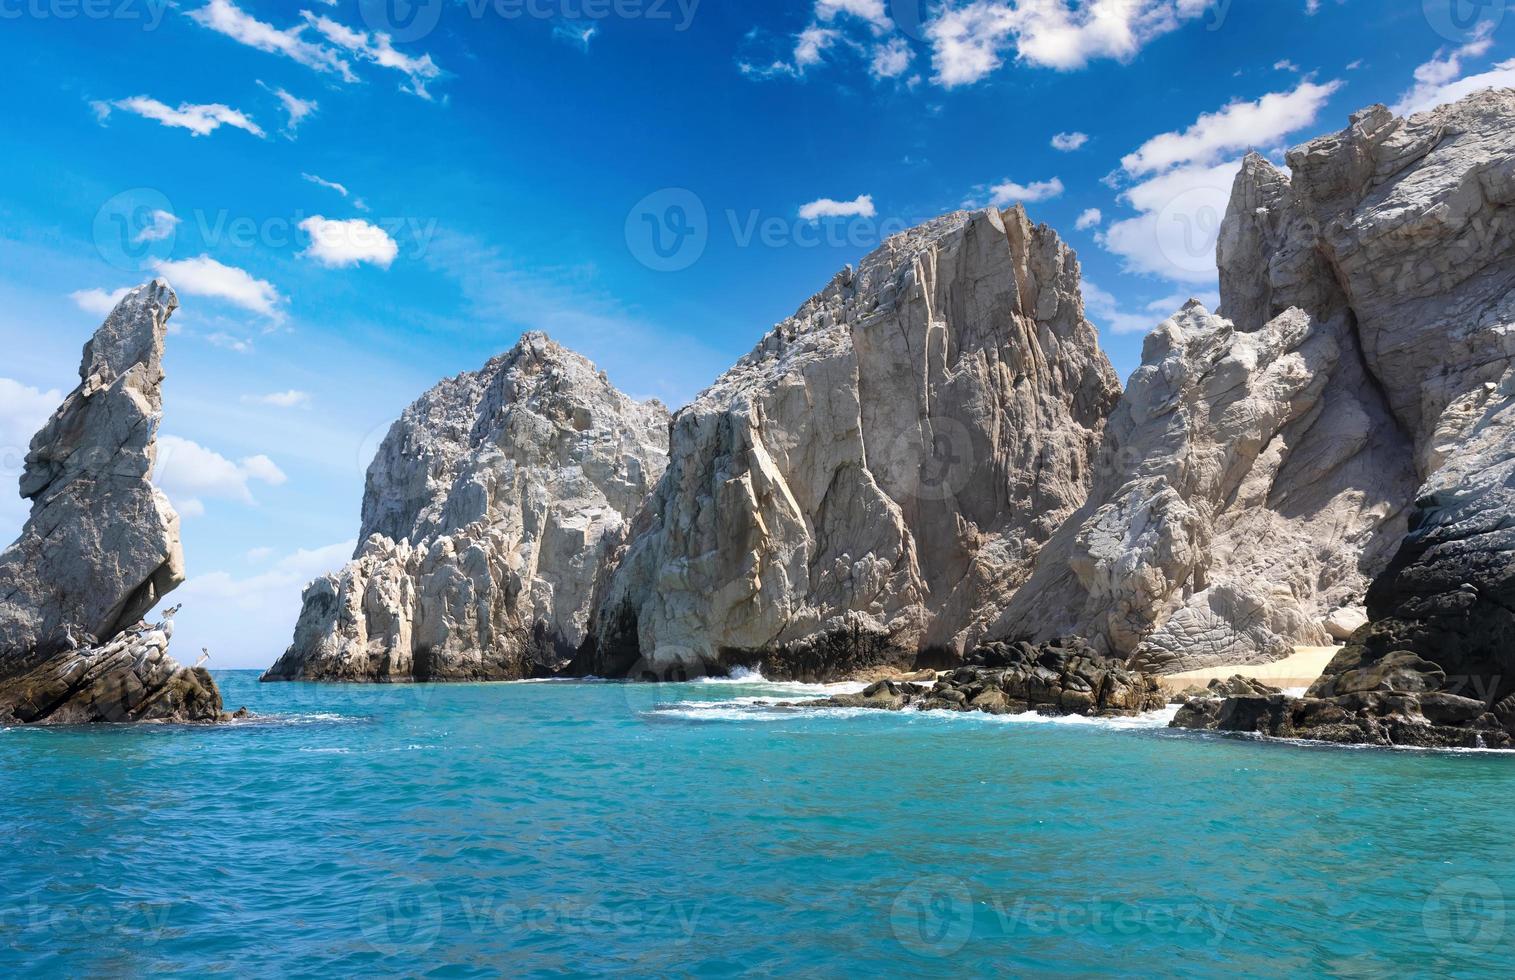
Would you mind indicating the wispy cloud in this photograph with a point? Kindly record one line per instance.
(201, 120)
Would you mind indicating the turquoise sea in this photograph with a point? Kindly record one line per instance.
(539, 829)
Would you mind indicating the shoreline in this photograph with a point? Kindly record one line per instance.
(1300, 669)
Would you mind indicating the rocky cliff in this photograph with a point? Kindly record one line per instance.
(877, 476)
(1405, 227)
(1260, 469)
(101, 546)
(487, 513)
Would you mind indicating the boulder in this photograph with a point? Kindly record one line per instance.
(489, 509)
(100, 547)
(1341, 623)
(875, 478)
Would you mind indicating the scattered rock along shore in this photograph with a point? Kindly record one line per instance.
(1058, 677)
(100, 547)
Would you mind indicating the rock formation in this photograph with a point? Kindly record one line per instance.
(1062, 677)
(1250, 484)
(101, 546)
(487, 513)
(876, 477)
(1406, 226)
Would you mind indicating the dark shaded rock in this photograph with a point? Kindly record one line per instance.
(1060, 677)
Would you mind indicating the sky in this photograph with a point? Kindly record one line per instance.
(357, 198)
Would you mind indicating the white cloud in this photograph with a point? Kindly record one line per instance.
(1174, 234)
(225, 17)
(201, 120)
(576, 34)
(1440, 80)
(161, 226)
(247, 620)
(296, 109)
(344, 243)
(204, 276)
(188, 472)
(328, 184)
(871, 11)
(98, 301)
(970, 40)
(1090, 218)
(376, 47)
(1009, 192)
(221, 338)
(280, 399)
(1185, 181)
(891, 59)
(1068, 142)
(861, 207)
(1284, 64)
(1238, 126)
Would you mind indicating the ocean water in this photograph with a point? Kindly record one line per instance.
(538, 829)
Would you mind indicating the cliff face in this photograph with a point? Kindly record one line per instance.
(875, 478)
(487, 512)
(101, 546)
(1417, 221)
(1261, 467)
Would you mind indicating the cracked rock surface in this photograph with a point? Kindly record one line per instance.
(100, 547)
(488, 511)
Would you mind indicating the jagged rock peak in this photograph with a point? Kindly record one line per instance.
(875, 476)
(101, 546)
(488, 510)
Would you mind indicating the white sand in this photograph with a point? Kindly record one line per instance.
(1299, 670)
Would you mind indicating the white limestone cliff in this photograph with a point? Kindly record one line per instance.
(875, 478)
(487, 512)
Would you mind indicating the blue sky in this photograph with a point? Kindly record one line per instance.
(357, 199)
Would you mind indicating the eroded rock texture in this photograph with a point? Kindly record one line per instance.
(488, 510)
(875, 478)
(1249, 484)
(100, 547)
(1407, 226)
(1265, 468)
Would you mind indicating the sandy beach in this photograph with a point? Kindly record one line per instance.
(1299, 670)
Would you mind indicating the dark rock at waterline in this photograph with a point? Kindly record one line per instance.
(1058, 677)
